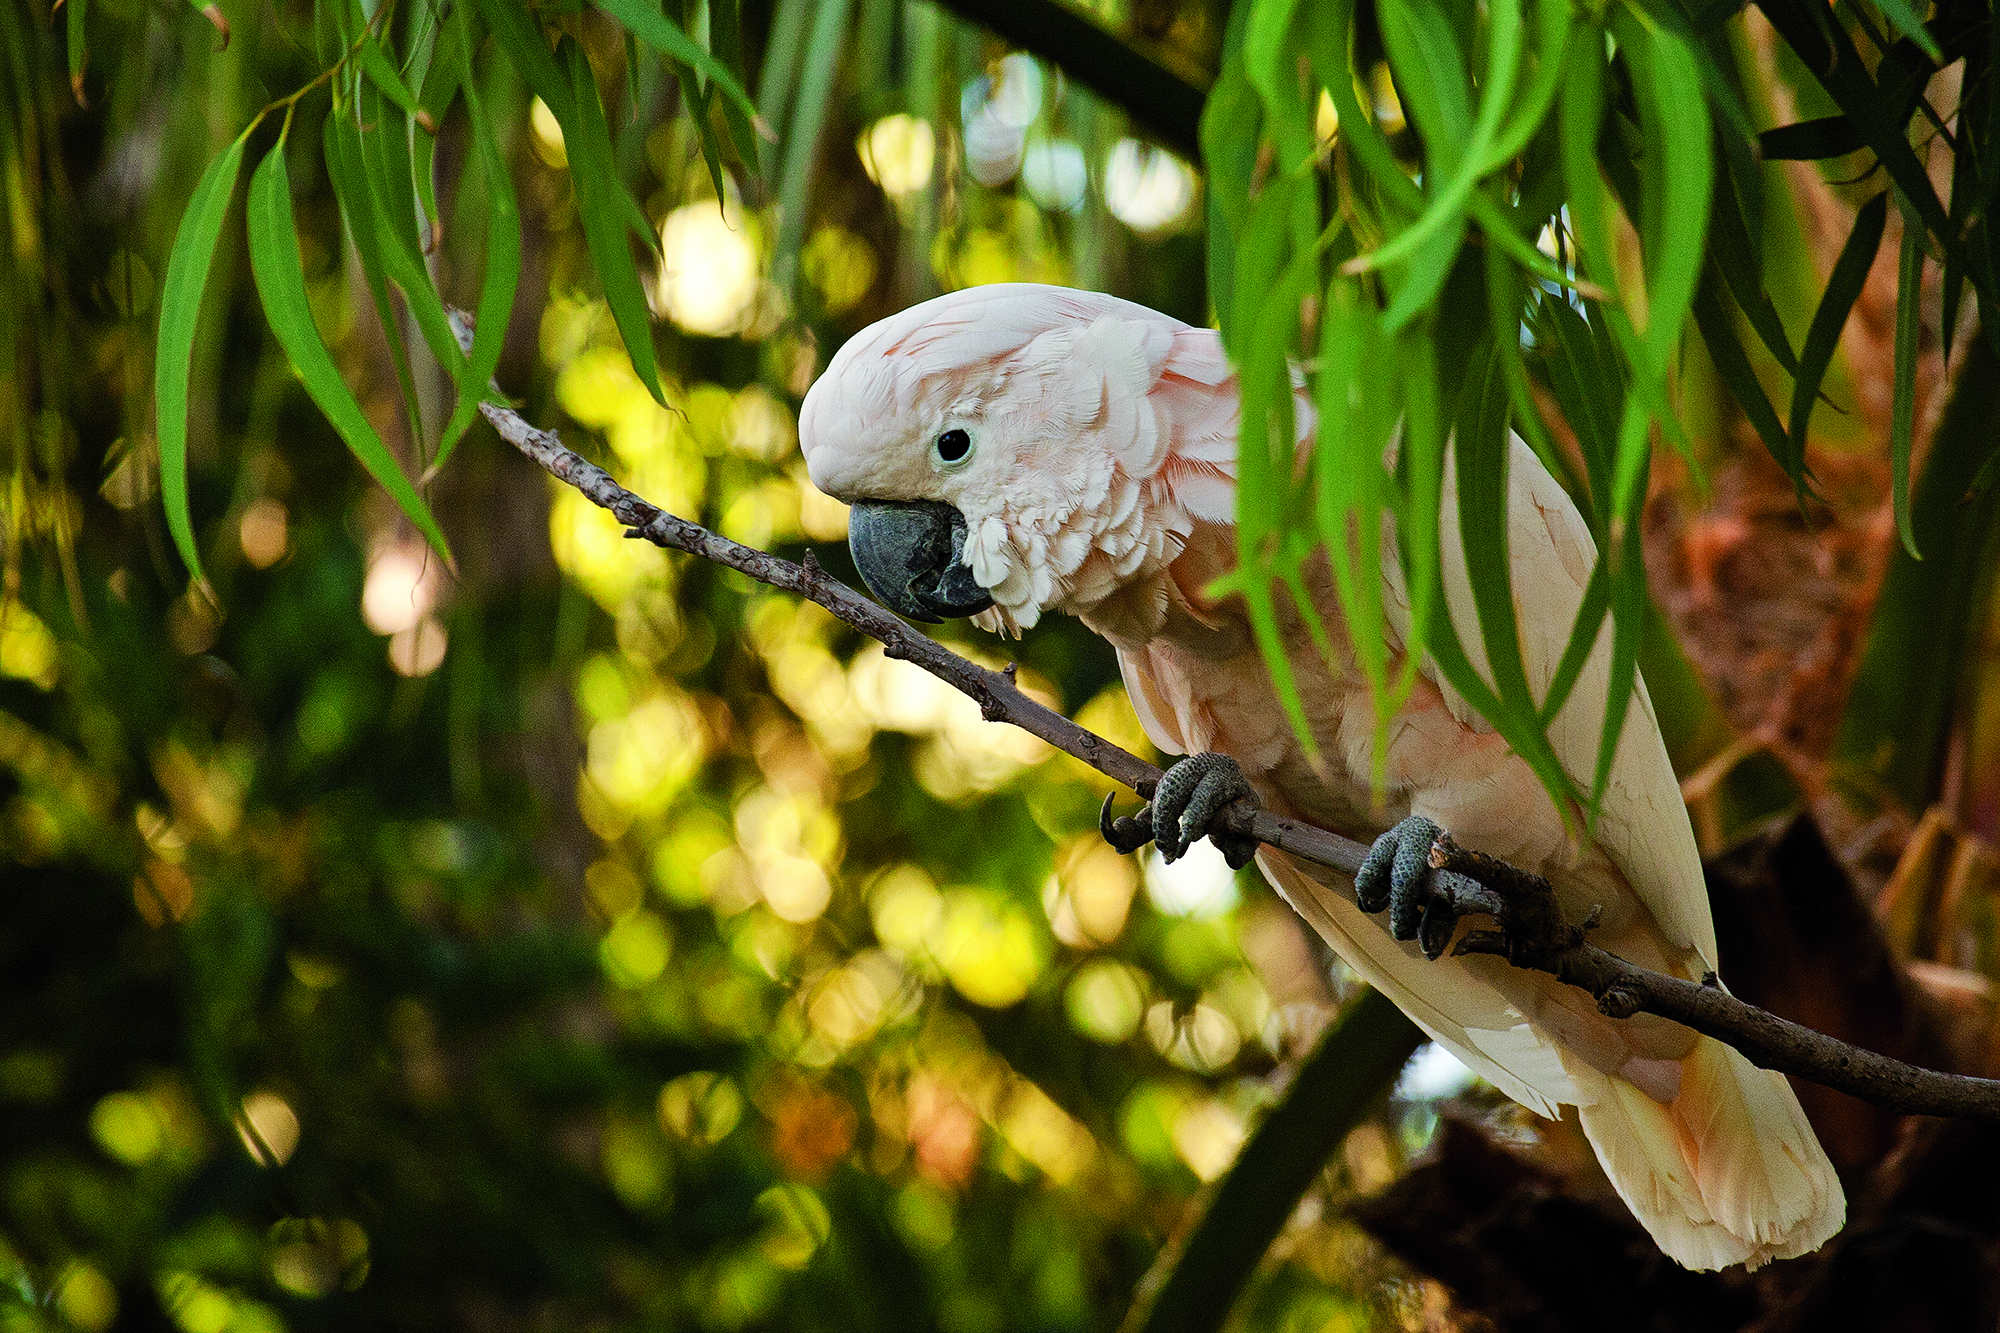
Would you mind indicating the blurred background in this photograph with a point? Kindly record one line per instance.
(589, 938)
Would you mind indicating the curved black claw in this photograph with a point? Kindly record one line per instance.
(1424, 905)
(1190, 796)
(1126, 833)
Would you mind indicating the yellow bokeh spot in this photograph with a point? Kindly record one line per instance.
(897, 152)
(636, 949)
(1045, 1134)
(1106, 1000)
(708, 276)
(27, 648)
(634, 1165)
(702, 1107)
(641, 761)
(988, 947)
(128, 1128)
(86, 1299)
(546, 135)
(841, 267)
(796, 1224)
(1090, 894)
(268, 1127)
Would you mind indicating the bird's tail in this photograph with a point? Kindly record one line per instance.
(1729, 1172)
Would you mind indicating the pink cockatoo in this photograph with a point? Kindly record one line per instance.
(1013, 450)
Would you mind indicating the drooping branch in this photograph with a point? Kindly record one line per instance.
(1530, 933)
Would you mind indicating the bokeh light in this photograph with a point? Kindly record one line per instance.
(897, 152)
(708, 276)
(1147, 188)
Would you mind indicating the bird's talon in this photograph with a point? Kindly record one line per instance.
(1125, 833)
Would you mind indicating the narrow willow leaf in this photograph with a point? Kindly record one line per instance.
(1503, 66)
(1909, 291)
(1725, 349)
(375, 63)
(1589, 392)
(1677, 173)
(1843, 286)
(180, 315)
(650, 25)
(382, 132)
(1552, 27)
(75, 38)
(783, 49)
(1810, 140)
(1480, 452)
(1505, 301)
(1331, 36)
(1627, 565)
(1355, 421)
(281, 286)
(1420, 470)
(1580, 117)
(1230, 120)
(1732, 244)
(520, 37)
(1825, 49)
(594, 173)
(342, 147)
(823, 46)
(450, 60)
(503, 272)
(726, 42)
(1270, 59)
(1911, 24)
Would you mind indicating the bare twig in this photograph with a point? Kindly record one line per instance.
(1531, 935)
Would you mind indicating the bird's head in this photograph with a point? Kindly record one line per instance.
(1002, 451)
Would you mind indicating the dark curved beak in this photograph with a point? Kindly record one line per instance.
(911, 555)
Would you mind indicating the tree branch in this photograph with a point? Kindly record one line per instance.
(1530, 934)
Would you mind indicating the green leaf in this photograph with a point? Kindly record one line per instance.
(342, 147)
(1843, 286)
(1480, 449)
(281, 285)
(1330, 35)
(503, 272)
(1271, 61)
(1810, 140)
(1358, 404)
(1911, 24)
(824, 43)
(1895, 730)
(382, 133)
(645, 21)
(604, 214)
(1676, 175)
(1718, 334)
(1197, 1279)
(1447, 202)
(520, 36)
(1909, 291)
(1827, 52)
(180, 315)
(783, 49)
(384, 75)
(75, 38)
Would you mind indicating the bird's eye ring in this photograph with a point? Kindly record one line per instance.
(954, 446)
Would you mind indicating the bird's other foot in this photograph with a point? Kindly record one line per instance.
(1186, 805)
(1190, 797)
(1423, 904)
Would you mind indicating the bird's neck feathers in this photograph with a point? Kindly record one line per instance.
(1126, 453)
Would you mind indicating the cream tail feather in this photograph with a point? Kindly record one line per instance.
(1102, 485)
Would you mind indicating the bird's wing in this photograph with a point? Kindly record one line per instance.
(1642, 824)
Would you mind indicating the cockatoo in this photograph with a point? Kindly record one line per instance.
(1016, 449)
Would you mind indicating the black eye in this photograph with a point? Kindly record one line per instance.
(954, 445)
